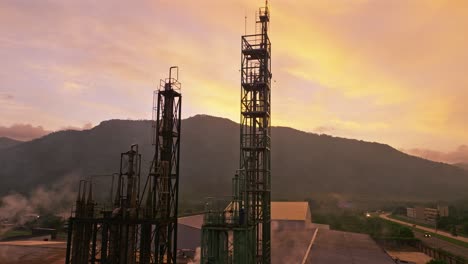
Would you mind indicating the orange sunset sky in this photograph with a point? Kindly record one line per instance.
(388, 71)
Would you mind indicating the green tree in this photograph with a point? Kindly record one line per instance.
(446, 222)
(436, 261)
(465, 227)
(406, 232)
(454, 230)
(50, 221)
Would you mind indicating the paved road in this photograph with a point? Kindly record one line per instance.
(434, 241)
(439, 243)
(443, 233)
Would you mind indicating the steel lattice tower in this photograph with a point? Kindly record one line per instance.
(135, 228)
(165, 168)
(240, 233)
(256, 131)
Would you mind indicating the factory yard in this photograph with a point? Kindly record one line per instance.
(334, 247)
(290, 246)
(322, 246)
(328, 247)
(32, 252)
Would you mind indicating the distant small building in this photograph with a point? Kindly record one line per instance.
(410, 212)
(443, 210)
(427, 214)
(415, 212)
(430, 214)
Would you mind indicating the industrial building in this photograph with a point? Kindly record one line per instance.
(284, 216)
(141, 224)
(292, 235)
(291, 215)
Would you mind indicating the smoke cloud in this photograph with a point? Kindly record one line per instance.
(23, 132)
(56, 199)
(26, 132)
(84, 127)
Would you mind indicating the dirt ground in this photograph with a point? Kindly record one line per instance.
(32, 252)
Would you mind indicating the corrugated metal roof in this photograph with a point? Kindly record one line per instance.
(289, 210)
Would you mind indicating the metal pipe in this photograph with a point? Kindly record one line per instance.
(170, 72)
(93, 249)
(69, 237)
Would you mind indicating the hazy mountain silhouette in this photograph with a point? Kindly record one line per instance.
(302, 163)
(462, 165)
(6, 142)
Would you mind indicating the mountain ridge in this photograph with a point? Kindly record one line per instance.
(461, 165)
(6, 142)
(303, 163)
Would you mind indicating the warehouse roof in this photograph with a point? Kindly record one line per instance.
(195, 221)
(290, 211)
(287, 210)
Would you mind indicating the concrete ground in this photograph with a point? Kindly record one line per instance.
(416, 257)
(289, 246)
(336, 247)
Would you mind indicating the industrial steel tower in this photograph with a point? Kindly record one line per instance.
(240, 233)
(165, 167)
(255, 132)
(136, 228)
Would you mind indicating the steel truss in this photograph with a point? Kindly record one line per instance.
(132, 231)
(240, 232)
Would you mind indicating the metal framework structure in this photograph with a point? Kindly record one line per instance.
(130, 231)
(165, 167)
(240, 232)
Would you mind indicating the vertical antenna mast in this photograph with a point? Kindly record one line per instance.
(245, 25)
